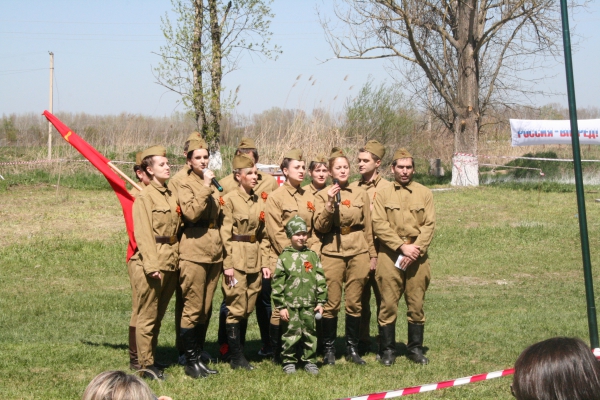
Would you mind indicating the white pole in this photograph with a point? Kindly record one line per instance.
(49, 124)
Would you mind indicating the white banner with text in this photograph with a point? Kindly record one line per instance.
(528, 132)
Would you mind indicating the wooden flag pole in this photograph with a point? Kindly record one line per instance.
(124, 176)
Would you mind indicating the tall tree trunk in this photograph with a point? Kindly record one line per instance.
(217, 74)
(465, 169)
(198, 90)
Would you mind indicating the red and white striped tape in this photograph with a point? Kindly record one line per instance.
(441, 385)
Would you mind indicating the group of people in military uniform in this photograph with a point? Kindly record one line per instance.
(367, 235)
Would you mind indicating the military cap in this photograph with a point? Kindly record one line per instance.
(402, 153)
(138, 158)
(336, 152)
(243, 161)
(246, 143)
(194, 136)
(374, 147)
(295, 225)
(196, 144)
(157, 150)
(294, 154)
(320, 159)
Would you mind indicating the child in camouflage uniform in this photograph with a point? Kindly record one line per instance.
(299, 290)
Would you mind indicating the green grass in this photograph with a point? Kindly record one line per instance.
(506, 268)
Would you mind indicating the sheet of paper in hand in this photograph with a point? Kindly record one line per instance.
(398, 263)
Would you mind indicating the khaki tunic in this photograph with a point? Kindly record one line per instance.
(155, 213)
(345, 258)
(311, 188)
(282, 205)
(131, 269)
(365, 321)
(200, 248)
(266, 183)
(182, 173)
(403, 213)
(243, 214)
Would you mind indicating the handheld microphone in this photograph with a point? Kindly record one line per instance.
(214, 181)
(338, 196)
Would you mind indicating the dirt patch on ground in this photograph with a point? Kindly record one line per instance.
(32, 212)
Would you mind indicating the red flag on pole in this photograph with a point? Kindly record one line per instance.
(102, 164)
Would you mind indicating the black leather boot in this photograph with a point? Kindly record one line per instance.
(319, 332)
(387, 345)
(237, 359)
(243, 330)
(204, 356)
(415, 344)
(329, 335)
(189, 344)
(275, 342)
(352, 327)
(133, 357)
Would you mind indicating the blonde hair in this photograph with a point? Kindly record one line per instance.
(117, 385)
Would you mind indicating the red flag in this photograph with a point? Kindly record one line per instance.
(101, 163)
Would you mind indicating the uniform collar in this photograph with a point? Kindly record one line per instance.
(158, 186)
(373, 182)
(247, 197)
(408, 186)
(292, 190)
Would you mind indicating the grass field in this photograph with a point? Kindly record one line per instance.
(506, 273)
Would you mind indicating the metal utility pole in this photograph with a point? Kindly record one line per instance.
(583, 231)
(50, 108)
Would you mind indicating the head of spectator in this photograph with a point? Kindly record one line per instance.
(118, 385)
(559, 368)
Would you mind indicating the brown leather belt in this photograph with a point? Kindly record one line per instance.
(203, 223)
(166, 239)
(345, 230)
(408, 239)
(244, 238)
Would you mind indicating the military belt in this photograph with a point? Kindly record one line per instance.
(166, 239)
(408, 239)
(203, 223)
(345, 230)
(244, 238)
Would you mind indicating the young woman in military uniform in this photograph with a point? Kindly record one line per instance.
(347, 253)
(156, 221)
(289, 200)
(246, 252)
(319, 172)
(200, 254)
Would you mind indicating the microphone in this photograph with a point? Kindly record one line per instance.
(338, 196)
(214, 181)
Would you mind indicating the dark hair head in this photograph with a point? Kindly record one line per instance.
(375, 156)
(186, 146)
(412, 159)
(190, 154)
(560, 368)
(314, 164)
(254, 153)
(147, 162)
(137, 168)
(285, 164)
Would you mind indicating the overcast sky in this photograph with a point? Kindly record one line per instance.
(104, 59)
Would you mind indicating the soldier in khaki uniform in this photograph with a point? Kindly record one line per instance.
(404, 222)
(182, 173)
(266, 183)
(246, 251)
(369, 161)
(156, 222)
(319, 172)
(347, 253)
(143, 181)
(200, 253)
(289, 200)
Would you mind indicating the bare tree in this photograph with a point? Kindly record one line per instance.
(474, 53)
(205, 43)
